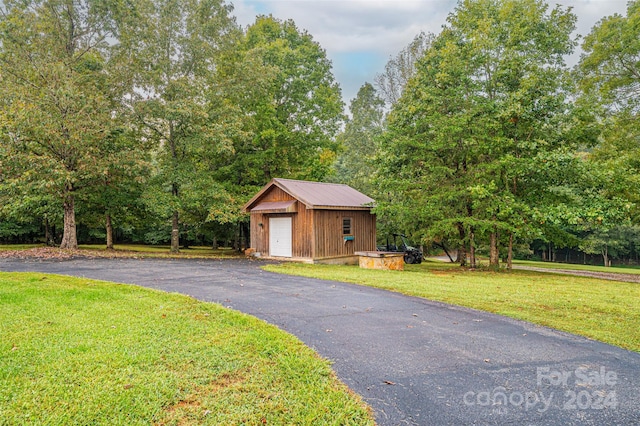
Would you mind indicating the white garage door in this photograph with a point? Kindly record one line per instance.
(280, 236)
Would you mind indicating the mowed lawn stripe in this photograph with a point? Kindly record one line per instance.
(79, 351)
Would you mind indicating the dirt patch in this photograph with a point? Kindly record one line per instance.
(612, 276)
(56, 253)
(44, 253)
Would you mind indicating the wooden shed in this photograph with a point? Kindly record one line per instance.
(311, 221)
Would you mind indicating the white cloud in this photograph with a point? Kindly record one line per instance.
(360, 35)
(384, 26)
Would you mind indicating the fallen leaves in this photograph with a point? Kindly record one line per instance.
(57, 253)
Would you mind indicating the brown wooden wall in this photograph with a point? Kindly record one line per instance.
(315, 233)
(328, 232)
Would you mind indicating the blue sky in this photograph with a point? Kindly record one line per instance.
(360, 36)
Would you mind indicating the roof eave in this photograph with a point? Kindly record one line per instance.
(246, 208)
(363, 208)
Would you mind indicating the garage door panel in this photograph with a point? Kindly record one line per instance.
(280, 236)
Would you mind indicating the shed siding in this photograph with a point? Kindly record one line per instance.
(328, 232)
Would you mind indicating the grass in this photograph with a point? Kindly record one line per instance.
(19, 246)
(78, 351)
(607, 311)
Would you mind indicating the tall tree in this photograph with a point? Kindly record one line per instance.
(296, 112)
(609, 79)
(359, 139)
(399, 70)
(59, 86)
(488, 99)
(175, 48)
(609, 68)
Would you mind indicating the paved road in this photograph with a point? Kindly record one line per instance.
(416, 362)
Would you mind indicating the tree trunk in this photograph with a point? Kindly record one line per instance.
(69, 236)
(462, 250)
(109, 229)
(48, 235)
(214, 243)
(175, 233)
(494, 254)
(185, 239)
(175, 223)
(605, 256)
(443, 247)
(237, 238)
(247, 235)
(510, 253)
(472, 248)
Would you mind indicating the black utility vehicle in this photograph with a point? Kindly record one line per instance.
(400, 245)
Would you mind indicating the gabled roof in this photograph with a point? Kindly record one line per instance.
(317, 195)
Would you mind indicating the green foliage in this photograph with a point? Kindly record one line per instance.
(609, 79)
(293, 110)
(609, 68)
(59, 86)
(176, 47)
(359, 140)
(488, 102)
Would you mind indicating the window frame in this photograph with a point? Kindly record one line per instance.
(347, 225)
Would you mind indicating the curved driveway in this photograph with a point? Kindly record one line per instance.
(415, 361)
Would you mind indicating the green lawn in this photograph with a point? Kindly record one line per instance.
(608, 311)
(78, 351)
(19, 246)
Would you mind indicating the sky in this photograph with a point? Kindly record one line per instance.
(360, 36)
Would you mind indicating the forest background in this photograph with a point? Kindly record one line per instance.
(154, 121)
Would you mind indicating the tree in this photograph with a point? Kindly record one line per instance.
(175, 47)
(609, 68)
(609, 81)
(297, 112)
(488, 100)
(59, 85)
(399, 70)
(114, 198)
(359, 140)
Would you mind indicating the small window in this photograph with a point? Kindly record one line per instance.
(346, 226)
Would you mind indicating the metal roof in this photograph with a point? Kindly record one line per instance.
(318, 195)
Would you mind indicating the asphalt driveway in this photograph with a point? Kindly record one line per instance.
(416, 362)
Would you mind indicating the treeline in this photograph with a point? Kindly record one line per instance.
(156, 119)
(483, 140)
